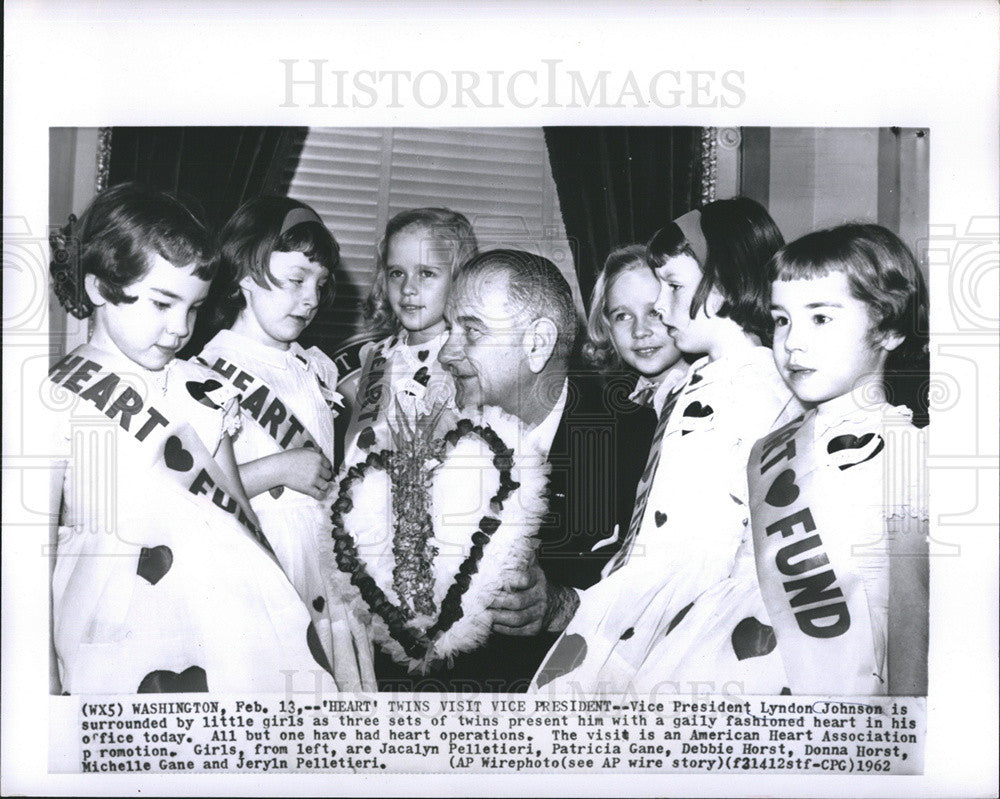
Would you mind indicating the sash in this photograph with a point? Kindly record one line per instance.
(368, 401)
(174, 450)
(261, 403)
(811, 585)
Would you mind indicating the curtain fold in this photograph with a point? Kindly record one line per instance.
(618, 186)
(217, 168)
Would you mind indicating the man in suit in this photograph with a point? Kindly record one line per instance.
(513, 332)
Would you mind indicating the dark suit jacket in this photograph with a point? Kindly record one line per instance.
(596, 457)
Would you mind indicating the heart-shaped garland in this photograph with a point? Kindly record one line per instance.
(418, 646)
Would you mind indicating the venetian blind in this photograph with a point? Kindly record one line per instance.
(358, 178)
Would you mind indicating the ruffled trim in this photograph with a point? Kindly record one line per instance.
(327, 376)
(507, 550)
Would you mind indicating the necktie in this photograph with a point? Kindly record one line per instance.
(645, 482)
(643, 396)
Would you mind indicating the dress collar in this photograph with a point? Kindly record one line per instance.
(272, 356)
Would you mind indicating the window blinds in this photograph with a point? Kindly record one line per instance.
(358, 178)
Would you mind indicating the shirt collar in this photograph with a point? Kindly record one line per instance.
(541, 435)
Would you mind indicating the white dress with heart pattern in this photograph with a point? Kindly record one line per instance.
(157, 587)
(395, 371)
(297, 525)
(694, 520)
(727, 638)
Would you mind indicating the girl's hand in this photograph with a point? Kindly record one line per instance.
(307, 471)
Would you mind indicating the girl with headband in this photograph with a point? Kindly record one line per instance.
(277, 272)
(163, 579)
(829, 594)
(691, 504)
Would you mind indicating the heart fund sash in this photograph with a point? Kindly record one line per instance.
(173, 449)
(261, 403)
(811, 583)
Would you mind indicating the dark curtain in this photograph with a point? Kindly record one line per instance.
(618, 186)
(217, 168)
(214, 169)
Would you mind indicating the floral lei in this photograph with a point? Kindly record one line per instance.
(412, 550)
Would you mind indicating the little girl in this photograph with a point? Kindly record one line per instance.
(278, 260)
(163, 579)
(624, 329)
(421, 250)
(690, 511)
(838, 598)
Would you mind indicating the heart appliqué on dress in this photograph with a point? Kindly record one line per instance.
(154, 563)
(568, 654)
(751, 639)
(191, 680)
(199, 390)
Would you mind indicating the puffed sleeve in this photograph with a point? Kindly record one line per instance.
(327, 376)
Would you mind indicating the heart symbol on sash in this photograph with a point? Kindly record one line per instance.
(176, 457)
(783, 491)
(423, 376)
(751, 639)
(154, 563)
(660, 518)
(852, 448)
(568, 654)
(367, 438)
(695, 379)
(199, 390)
(422, 355)
(191, 680)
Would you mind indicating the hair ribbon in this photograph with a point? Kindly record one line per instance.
(690, 225)
(297, 216)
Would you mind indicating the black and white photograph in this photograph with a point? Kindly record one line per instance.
(593, 438)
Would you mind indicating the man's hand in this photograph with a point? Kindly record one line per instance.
(530, 604)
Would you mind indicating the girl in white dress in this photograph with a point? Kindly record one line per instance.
(628, 342)
(417, 258)
(829, 593)
(691, 504)
(163, 579)
(278, 261)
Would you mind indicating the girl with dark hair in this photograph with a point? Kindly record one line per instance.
(422, 250)
(278, 261)
(163, 580)
(690, 512)
(836, 604)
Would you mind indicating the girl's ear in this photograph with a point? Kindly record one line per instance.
(891, 340)
(713, 302)
(92, 287)
(539, 342)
